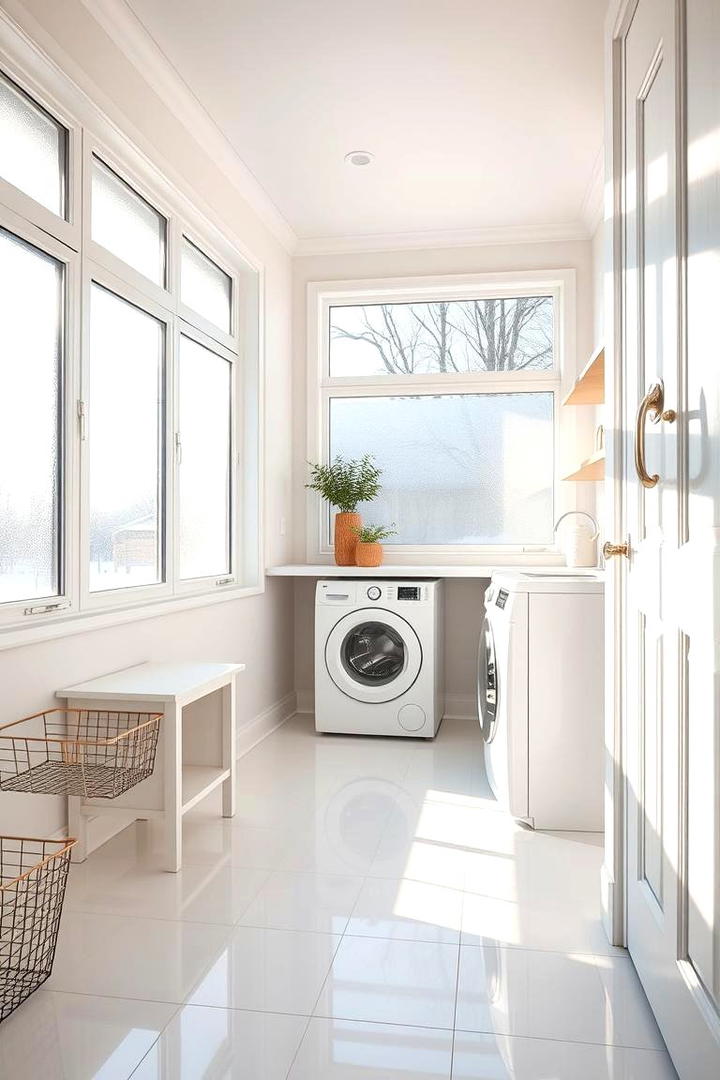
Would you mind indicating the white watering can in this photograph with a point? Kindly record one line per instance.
(578, 544)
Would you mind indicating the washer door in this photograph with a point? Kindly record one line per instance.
(487, 682)
(373, 655)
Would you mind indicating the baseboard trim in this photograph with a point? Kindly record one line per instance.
(460, 707)
(267, 721)
(305, 702)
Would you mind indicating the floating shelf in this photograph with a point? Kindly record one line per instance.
(593, 468)
(589, 388)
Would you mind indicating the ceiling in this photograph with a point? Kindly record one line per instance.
(481, 114)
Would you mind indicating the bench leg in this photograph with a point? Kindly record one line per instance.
(172, 783)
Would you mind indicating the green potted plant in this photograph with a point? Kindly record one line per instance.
(369, 550)
(344, 484)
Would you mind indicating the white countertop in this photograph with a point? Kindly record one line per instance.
(154, 682)
(480, 570)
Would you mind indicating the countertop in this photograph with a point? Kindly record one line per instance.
(478, 570)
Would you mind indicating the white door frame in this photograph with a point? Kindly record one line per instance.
(613, 871)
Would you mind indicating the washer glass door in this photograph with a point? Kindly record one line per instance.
(373, 655)
(487, 689)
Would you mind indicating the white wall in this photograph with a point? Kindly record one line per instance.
(463, 611)
(256, 630)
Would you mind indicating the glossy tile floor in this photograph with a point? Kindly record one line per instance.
(369, 914)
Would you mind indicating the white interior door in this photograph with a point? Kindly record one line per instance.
(670, 252)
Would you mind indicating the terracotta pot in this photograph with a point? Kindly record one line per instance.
(345, 539)
(369, 555)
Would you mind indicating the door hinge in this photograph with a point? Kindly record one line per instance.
(178, 447)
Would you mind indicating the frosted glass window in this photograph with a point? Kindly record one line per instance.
(31, 320)
(448, 337)
(204, 471)
(127, 225)
(205, 287)
(126, 409)
(457, 468)
(33, 148)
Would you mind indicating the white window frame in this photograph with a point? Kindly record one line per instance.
(560, 284)
(67, 596)
(78, 610)
(69, 229)
(192, 585)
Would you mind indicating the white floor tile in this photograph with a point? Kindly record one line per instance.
(499, 1057)
(303, 901)
(268, 970)
(394, 982)
(400, 847)
(74, 1037)
(419, 860)
(406, 909)
(550, 995)
(521, 923)
(209, 894)
(348, 1050)
(207, 1044)
(148, 959)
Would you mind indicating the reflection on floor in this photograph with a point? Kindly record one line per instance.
(368, 914)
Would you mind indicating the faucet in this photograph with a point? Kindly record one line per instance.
(581, 513)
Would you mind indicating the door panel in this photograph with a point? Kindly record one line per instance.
(670, 295)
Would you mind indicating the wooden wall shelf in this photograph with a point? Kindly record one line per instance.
(589, 388)
(593, 468)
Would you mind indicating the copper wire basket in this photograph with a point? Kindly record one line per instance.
(33, 876)
(94, 753)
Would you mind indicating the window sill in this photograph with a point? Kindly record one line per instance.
(63, 625)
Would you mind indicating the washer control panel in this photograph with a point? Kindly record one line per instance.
(374, 592)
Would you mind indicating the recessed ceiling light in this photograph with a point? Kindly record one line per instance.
(359, 157)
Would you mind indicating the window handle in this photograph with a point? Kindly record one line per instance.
(45, 609)
(82, 420)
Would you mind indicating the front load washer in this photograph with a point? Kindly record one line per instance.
(540, 697)
(378, 657)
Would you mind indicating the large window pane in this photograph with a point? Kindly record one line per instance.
(33, 148)
(205, 382)
(126, 443)
(457, 469)
(31, 323)
(442, 337)
(127, 225)
(205, 287)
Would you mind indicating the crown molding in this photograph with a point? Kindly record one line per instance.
(592, 209)
(139, 47)
(443, 238)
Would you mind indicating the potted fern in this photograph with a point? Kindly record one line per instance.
(369, 550)
(344, 484)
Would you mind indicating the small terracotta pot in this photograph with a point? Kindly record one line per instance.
(369, 555)
(345, 539)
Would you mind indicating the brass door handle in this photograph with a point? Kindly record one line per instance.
(653, 403)
(610, 550)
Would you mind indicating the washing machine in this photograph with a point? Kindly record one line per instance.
(378, 657)
(540, 697)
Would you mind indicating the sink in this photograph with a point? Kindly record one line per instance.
(591, 573)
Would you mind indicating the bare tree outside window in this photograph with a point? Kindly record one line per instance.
(443, 337)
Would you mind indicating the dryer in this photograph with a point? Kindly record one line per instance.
(378, 657)
(540, 697)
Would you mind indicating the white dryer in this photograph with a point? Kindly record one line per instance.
(540, 697)
(378, 657)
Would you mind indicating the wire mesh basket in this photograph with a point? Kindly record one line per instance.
(33, 876)
(93, 753)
